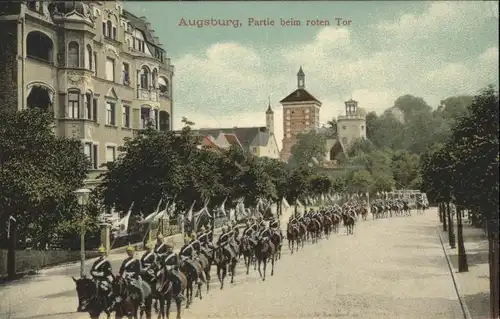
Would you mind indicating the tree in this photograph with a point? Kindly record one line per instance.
(320, 184)
(309, 145)
(38, 171)
(361, 181)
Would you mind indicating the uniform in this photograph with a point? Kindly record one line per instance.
(172, 264)
(160, 250)
(223, 241)
(102, 273)
(130, 270)
(148, 260)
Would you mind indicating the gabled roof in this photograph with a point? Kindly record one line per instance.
(300, 95)
(247, 136)
(233, 140)
(140, 24)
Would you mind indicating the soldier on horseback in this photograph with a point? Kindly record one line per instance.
(172, 264)
(265, 232)
(130, 271)
(224, 240)
(188, 251)
(148, 262)
(160, 249)
(102, 274)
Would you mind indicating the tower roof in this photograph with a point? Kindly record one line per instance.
(300, 95)
(301, 72)
(269, 109)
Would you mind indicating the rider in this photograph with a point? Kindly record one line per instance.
(160, 250)
(130, 271)
(202, 236)
(172, 264)
(223, 240)
(200, 232)
(233, 236)
(187, 252)
(102, 274)
(266, 232)
(148, 261)
(274, 224)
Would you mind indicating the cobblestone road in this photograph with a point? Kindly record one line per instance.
(390, 268)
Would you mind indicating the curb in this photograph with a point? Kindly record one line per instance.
(463, 305)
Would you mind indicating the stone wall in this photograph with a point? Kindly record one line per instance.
(32, 260)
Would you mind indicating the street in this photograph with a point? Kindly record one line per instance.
(390, 268)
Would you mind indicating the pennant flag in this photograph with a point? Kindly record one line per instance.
(190, 212)
(285, 203)
(160, 214)
(120, 227)
(222, 207)
(151, 217)
(232, 214)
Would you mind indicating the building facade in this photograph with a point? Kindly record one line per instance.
(99, 69)
(300, 114)
(259, 140)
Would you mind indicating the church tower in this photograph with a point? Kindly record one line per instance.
(270, 118)
(300, 114)
(352, 125)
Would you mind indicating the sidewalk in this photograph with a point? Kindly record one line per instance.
(473, 287)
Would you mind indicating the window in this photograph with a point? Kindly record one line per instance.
(156, 119)
(94, 64)
(163, 86)
(110, 154)
(110, 113)
(73, 54)
(91, 150)
(94, 109)
(73, 105)
(114, 33)
(126, 116)
(104, 28)
(110, 69)
(144, 78)
(88, 106)
(109, 29)
(126, 73)
(88, 57)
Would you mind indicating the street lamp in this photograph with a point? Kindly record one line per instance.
(82, 196)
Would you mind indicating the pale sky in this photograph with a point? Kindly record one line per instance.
(224, 75)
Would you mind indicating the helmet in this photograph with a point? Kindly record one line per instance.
(101, 249)
(149, 245)
(202, 228)
(170, 244)
(130, 249)
(160, 236)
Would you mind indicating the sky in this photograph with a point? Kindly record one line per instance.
(224, 75)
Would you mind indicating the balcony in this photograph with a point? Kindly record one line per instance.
(147, 94)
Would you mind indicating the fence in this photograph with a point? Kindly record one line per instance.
(33, 260)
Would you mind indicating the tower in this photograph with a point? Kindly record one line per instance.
(352, 125)
(301, 79)
(270, 118)
(300, 113)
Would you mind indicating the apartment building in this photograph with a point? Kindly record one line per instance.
(98, 67)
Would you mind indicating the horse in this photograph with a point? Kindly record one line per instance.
(169, 290)
(192, 271)
(364, 212)
(222, 258)
(265, 251)
(247, 249)
(327, 225)
(349, 220)
(130, 298)
(277, 240)
(207, 252)
(88, 298)
(293, 236)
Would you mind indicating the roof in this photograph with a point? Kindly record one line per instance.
(140, 24)
(300, 95)
(247, 136)
(233, 140)
(301, 72)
